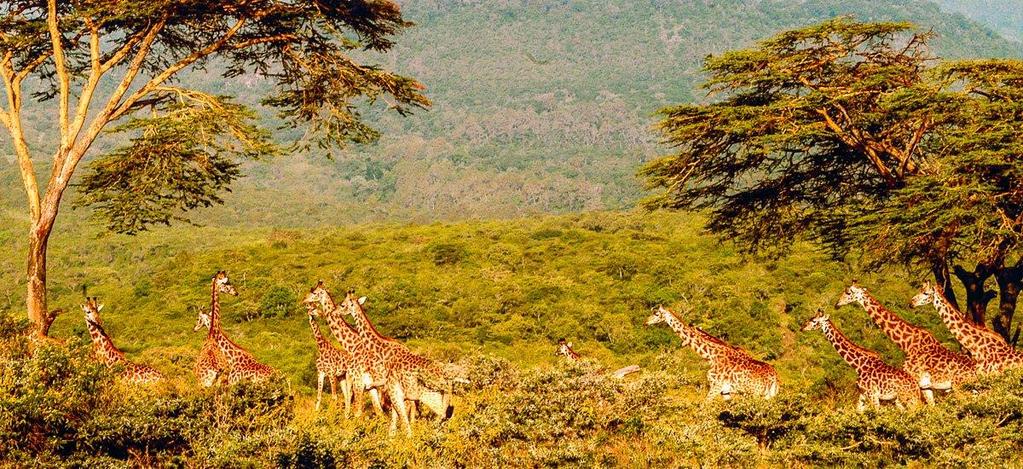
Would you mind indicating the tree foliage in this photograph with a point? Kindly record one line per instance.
(854, 135)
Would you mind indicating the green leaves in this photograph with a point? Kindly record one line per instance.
(179, 159)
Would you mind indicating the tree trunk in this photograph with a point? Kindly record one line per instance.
(943, 278)
(977, 296)
(1010, 280)
(39, 238)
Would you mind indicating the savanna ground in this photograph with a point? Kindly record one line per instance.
(493, 297)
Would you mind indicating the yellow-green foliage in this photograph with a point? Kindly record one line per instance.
(495, 296)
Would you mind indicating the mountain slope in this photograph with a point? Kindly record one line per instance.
(540, 105)
(1004, 16)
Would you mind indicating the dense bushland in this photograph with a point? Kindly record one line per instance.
(493, 297)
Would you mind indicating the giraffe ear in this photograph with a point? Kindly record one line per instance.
(362, 300)
(99, 308)
(569, 345)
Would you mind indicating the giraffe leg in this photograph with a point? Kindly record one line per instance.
(875, 401)
(398, 403)
(357, 397)
(861, 404)
(346, 391)
(714, 391)
(319, 389)
(333, 388)
(374, 395)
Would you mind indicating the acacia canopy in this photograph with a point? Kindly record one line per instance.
(854, 135)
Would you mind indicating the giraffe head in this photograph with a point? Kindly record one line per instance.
(657, 316)
(929, 294)
(564, 348)
(91, 308)
(202, 319)
(352, 306)
(853, 294)
(818, 321)
(318, 296)
(224, 284)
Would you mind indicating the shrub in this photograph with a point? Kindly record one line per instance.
(278, 302)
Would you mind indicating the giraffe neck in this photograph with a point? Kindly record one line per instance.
(231, 351)
(896, 328)
(320, 340)
(702, 343)
(214, 309)
(102, 344)
(968, 334)
(350, 339)
(853, 354)
(363, 324)
(571, 354)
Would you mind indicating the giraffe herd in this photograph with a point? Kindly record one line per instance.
(403, 383)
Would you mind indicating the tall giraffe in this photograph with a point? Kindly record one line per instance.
(731, 369)
(424, 381)
(933, 365)
(242, 365)
(209, 366)
(105, 350)
(375, 377)
(331, 363)
(876, 380)
(565, 350)
(991, 352)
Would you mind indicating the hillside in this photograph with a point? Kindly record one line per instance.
(539, 107)
(1004, 16)
(510, 288)
(494, 298)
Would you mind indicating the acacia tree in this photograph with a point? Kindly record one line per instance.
(853, 135)
(113, 65)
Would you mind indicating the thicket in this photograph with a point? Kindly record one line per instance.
(515, 288)
(60, 409)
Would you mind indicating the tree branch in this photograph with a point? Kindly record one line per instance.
(61, 69)
(170, 71)
(12, 120)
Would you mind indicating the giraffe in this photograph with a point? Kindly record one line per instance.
(933, 365)
(876, 380)
(105, 350)
(423, 381)
(991, 352)
(731, 369)
(565, 350)
(331, 363)
(242, 366)
(208, 365)
(375, 377)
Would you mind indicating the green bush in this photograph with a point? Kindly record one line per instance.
(278, 302)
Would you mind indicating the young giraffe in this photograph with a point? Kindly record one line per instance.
(933, 365)
(105, 350)
(241, 364)
(876, 380)
(731, 369)
(331, 363)
(423, 381)
(374, 377)
(991, 352)
(565, 350)
(208, 365)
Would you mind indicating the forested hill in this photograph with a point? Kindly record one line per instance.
(539, 105)
(1004, 16)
